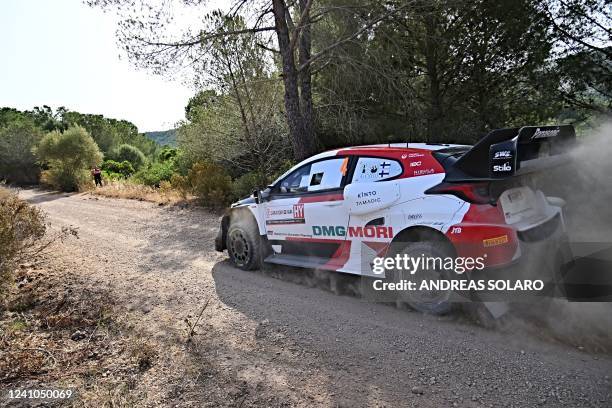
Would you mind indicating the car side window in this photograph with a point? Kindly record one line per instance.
(320, 175)
(327, 174)
(296, 181)
(369, 169)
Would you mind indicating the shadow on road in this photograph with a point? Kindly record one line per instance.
(180, 239)
(38, 196)
(348, 355)
(391, 351)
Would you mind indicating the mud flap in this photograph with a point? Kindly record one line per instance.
(496, 309)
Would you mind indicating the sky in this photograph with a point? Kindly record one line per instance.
(64, 53)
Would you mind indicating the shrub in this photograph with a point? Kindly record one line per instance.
(21, 226)
(110, 176)
(244, 185)
(17, 162)
(65, 179)
(167, 153)
(124, 168)
(155, 173)
(126, 152)
(211, 184)
(180, 184)
(69, 156)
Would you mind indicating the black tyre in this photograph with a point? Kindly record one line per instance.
(430, 302)
(244, 245)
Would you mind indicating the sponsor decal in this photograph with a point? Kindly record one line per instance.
(411, 155)
(271, 212)
(416, 163)
(456, 230)
(424, 172)
(293, 215)
(298, 210)
(503, 154)
(369, 231)
(545, 133)
(490, 242)
(502, 167)
(414, 216)
(286, 221)
(404, 156)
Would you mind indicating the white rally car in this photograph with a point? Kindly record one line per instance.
(340, 209)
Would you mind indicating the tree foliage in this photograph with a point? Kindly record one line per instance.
(21, 131)
(356, 71)
(129, 153)
(68, 155)
(124, 168)
(110, 133)
(241, 124)
(17, 160)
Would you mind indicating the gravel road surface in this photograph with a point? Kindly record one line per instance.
(267, 341)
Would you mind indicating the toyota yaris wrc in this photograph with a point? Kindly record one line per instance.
(342, 209)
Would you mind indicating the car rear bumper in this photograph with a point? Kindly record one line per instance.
(545, 256)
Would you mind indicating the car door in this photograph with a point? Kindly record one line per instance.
(306, 216)
(373, 189)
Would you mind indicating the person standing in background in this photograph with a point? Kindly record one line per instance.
(97, 175)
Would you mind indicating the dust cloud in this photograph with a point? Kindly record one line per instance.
(585, 183)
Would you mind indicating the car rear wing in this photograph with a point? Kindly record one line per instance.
(512, 152)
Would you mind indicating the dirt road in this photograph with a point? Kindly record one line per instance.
(266, 341)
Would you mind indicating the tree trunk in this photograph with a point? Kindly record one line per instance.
(435, 114)
(305, 77)
(301, 141)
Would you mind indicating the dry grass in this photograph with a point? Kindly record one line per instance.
(56, 331)
(22, 228)
(125, 189)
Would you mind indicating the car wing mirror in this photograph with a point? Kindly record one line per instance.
(257, 195)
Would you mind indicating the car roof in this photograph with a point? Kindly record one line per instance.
(376, 148)
(403, 146)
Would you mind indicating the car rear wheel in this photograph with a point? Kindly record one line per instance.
(244, 244)
(436, 302)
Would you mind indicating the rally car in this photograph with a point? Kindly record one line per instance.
(340, 209)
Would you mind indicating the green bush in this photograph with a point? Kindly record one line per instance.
(17, 162)
(244, 185)
(123, 169)
(155, 173)
(126, 152)
(69, 156)
(109, 175)
(167, 153)
(211, 184)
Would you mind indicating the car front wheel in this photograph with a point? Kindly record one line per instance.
(244, 244)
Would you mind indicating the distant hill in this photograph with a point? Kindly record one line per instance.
(163, 137)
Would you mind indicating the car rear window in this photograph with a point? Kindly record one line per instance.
(371, 169)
